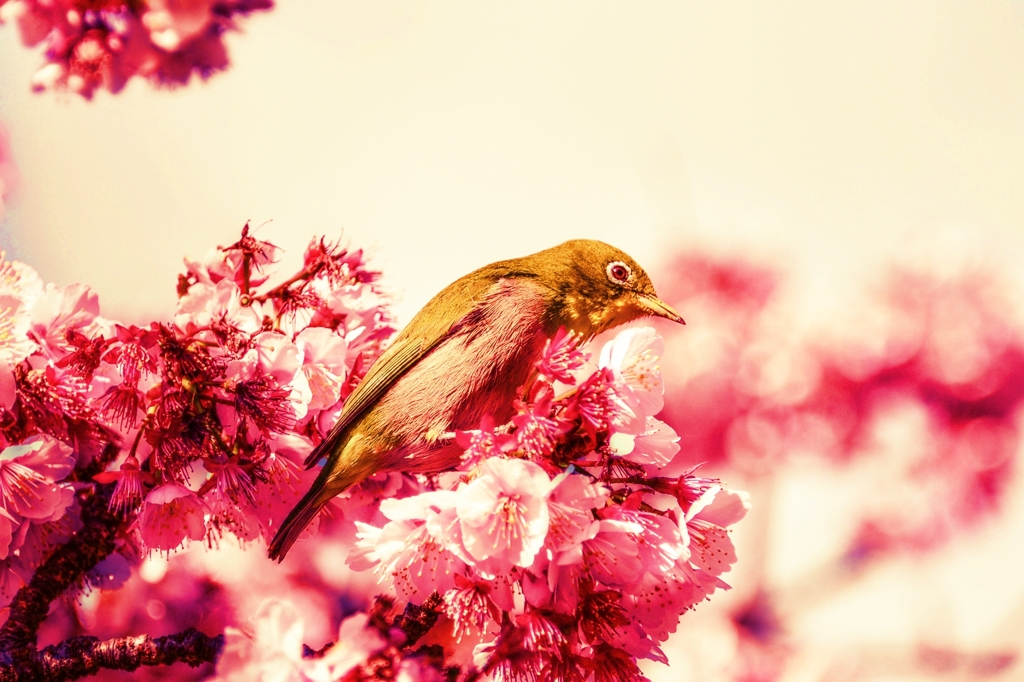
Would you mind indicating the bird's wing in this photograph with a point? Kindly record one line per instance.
(421, 336)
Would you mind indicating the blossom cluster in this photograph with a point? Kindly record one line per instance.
(900, 417)
(557, 546)
(200, 423)
(92, 44)
(935, 359)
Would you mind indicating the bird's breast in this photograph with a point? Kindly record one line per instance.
(475, 371)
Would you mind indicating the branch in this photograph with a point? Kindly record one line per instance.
(416, 620)
(80, 656)
(62, 569)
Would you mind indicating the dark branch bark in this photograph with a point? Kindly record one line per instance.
(98, 464)
(59, 571)
(416, 620)
(80, 656)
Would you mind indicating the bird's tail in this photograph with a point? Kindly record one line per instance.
(333, 479)
(296, 522)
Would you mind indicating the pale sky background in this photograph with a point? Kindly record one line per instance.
(817, 136)
(825, 139)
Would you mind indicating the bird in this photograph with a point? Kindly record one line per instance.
(464, 355)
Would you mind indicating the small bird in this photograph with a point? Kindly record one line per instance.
(465, 355)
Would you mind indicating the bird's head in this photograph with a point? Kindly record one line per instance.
(595, 286)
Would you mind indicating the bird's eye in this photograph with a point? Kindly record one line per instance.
(618, 272)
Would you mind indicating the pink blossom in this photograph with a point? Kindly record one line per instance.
(572, 520)
(535, 431)
(634, 355)
(7, 525)
(103, 45)
(170, 514)
(205, 304)
(600, 403)
(503, 513)
(613, 555)
(15, 316)
(657, 600)
(357, 641)
(128, 490)
(271, 653)
(712, 549)
(482, 443)
(30, 475)
(285, 481)
(656, 445)
(19, 280)
(8, 171)
(660, 543)
(562, 356)
(273, 650)
(59, 309)
(615, 665)
(470, 606)
(324, 357)
(19, 287)
(413, 549)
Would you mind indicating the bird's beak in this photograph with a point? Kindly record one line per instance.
(655, 306)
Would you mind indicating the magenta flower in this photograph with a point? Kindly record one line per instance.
(535, 430)
(273, 651)
(101, 45)
(128, 490)
(324, 356)
(706, 521)
(59, 309)
(7, 525)
(29, 479)
(483, 443)
(613, 555)
(412, 549)
(8, 171)
(655, 446)
(170, 514)
(562, 356)
(19, 287)
(503, 514)
(572, 521)
(599, 402)
(634, 355)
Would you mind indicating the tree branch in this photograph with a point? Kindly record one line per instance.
(80, 656)
(77, 657)
(62, 569)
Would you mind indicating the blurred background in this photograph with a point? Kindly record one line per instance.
(830, 193)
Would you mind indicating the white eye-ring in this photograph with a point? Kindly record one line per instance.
(618, 272)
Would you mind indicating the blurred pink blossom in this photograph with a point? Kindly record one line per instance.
(90, 45)
(273, 651)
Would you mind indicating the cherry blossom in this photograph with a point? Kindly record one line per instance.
(170, 514)
(566, 505)
(89, 46)
(30, 475)
(558, 543)
(412, 549)
(273, 650)
(503, 514)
